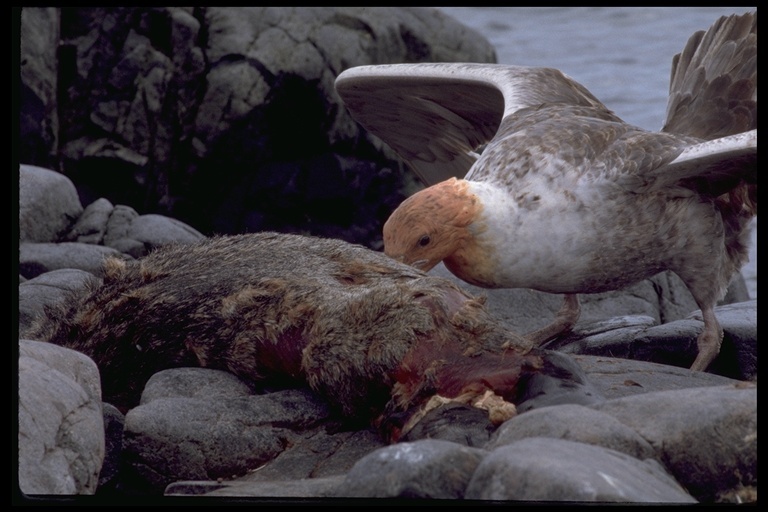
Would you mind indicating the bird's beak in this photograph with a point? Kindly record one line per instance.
(422, 265)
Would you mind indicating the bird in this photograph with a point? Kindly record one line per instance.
(532, 182)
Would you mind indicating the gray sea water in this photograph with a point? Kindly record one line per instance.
(623, 55)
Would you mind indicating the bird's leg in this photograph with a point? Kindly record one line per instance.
(708, 341)
(564, 321)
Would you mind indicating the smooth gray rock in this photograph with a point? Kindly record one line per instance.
(92, 224)
(61, 428)
(38, 258)
(318, 453)
(574, 423)
(603, 336)
(202, 383)
(119, 223)
(706, 437)
(616, 377)
(157, 230)
(119, 228)
(48, 204)
(547, 469)
(422, 469)
(169, 439)
(459, 424)
(130, 247)
(672, 343)
(675, 342)
(136, 235)
(48, 289)
(312, 452)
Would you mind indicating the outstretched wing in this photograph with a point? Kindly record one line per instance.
(436, 115)
(713, 87)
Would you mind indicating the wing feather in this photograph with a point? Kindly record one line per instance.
(436, 115)
(713, 85)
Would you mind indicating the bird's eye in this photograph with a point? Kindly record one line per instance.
(424, 240)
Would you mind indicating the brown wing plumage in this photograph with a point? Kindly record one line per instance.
(436, 115)
(713, 87)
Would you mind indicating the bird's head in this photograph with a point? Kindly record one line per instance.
(432, 224)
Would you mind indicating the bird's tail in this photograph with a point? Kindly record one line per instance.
(712, 94)
(713, 87)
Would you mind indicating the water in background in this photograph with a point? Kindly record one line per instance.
(623, 55)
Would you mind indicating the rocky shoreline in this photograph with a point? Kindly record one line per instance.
(189, 113)
(613, 429)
